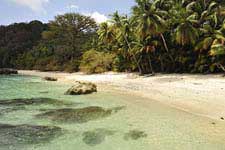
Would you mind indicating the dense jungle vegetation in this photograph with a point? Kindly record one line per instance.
(171, 36)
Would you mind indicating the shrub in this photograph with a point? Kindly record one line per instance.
(72, 66)
(96, 62)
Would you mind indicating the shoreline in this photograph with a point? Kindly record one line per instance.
(202, 95)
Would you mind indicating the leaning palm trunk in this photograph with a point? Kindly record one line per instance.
(134, 57)
(166, 47)
(219, 65)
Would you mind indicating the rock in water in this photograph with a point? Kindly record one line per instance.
(96, 137)
(50, 79)
(81, 115)
(32, 101)
(135, 135)
(5, 110)
(27, 134)
(82, 88)
(6, 71)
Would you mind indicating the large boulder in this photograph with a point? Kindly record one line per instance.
(6, 71)
(80, 88)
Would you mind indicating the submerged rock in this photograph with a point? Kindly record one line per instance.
(82, 88)
(27, 134)
(135, 135)
(50, 79)
(6, 71)
(44, 92)
(32, 101)
(80, 115)
(93, 138)
(10, 109)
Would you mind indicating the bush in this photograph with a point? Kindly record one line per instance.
(96, 62)
(72, 66)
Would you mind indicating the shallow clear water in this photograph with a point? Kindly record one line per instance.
(160, 127)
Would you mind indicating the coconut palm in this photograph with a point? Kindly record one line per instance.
(150, 20)
(178, 35)
(184, 25)
(124, 33)
(204, 11)
(106, 33)
(146, 47)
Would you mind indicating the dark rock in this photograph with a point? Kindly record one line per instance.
(32, 101)
(10, 109)
(6, 71)
(222, 118)
(135, 135)
(80, 115)
(27, 134)
(44, 92)
(80, 88)
(50, 79)
(96, 137)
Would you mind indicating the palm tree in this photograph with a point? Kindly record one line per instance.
(147, 48)
(106, 33)
(211, 39)
(150, 21)
(196, 27)
(184, 24)
(185, 33)
(124, 30)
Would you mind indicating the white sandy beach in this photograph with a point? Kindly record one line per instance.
(199, 94)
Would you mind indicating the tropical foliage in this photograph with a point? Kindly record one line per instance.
(96, 62)
(168, 36)
(58, 45)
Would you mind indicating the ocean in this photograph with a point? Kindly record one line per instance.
(36, 115)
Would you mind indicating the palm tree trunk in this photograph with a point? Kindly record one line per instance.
(134, 57)
(150, 64)
(166, 47)
(161, 64)
(219, 65)
(164, 42)
(138, 65)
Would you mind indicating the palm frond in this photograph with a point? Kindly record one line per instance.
(217, 50)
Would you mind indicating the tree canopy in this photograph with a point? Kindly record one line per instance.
(169, 36)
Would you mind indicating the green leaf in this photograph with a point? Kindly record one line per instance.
(217, 50)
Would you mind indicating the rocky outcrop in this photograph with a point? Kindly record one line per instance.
(6, 71)
(27, 134)
(80, 88)
(135, 135)
(80, 115)
(50, 79)
(32, 101)
(96, 137)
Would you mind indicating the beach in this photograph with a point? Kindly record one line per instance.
(201, 95)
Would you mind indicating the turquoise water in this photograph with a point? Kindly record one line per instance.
(136, 126)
